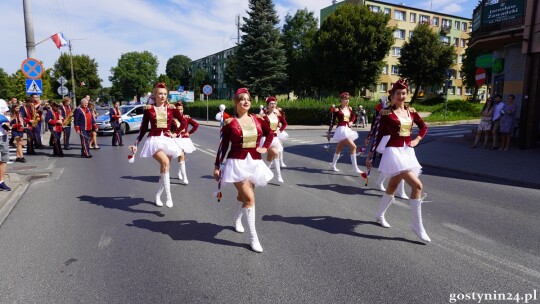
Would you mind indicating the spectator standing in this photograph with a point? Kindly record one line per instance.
(17, 132)
(4, 147)
(485, 123)
(12, 103)
(507, 122)
(93, 133)
(496, 120)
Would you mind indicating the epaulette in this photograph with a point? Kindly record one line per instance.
(187, 116)
(336, 109)
(147, 107)
(412, 110)
(227, 121)
(260, 116)
(385, 112)
(171, 106)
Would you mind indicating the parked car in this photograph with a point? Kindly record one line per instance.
(131, 120)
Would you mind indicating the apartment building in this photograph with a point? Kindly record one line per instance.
(214, 65)
(452, 30)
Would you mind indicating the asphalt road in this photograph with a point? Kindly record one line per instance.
(91, 234)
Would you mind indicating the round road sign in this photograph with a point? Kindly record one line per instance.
(32, 68)
(207, 89)
(480, 76)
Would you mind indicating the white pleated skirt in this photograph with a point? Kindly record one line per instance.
(185, 144)
(396, 160)
(283, 136)
(343, 132)
(163, 143)
(276, 143)
(254, 170)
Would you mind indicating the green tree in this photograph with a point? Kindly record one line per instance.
(135, 74)
(298, 36)
(18, 85)
(178, 69)
(5, 85)
(261, 62)
(469, 69)
(85, 71)
(200, 78)
(350, 48)
(425, 59)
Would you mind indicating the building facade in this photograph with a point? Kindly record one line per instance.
(507, 33)
(451, 29)
(214, 66)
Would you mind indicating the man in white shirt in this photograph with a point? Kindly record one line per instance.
(496, 119)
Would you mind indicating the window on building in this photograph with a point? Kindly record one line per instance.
(459, 90)
(374, 8)
(384, 87)
(431, 90)
(385, 70)
(387, 11)
(452, 90)
(456, 41)
(457, 25)
(460, 59)
(462, 43)
(468, 91)
(436, 21)
(423, 19)
(461, 73)
(464, 26)
(396, 51)
(446, 23)
(445, 39)
(399, 34)
(395, 70)
(411, 33)
(412, 17)
(399, 15)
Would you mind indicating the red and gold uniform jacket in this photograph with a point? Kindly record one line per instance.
(54, 120)
(16, 123)
(66, 110)
(84, 119)
(181, 127)
(243, 140)
(115, 114)
(160, 121)
(399, 129)
(27, 115)
(277, 122)
(342, 118)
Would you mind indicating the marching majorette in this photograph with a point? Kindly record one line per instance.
(343, 134)
(244, 166)
(55, 121)
(115, 115)
(277, 123)
(84, 122)
(399, 160)
(68, 117)
(183, 140)
(159, 144)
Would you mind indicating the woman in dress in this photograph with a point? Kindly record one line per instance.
(507, 122)
(159, 143)
(244, 167)
(17, 132)
(485, 123)
(93, 134)
(183, 140)
(344, 135)
(277, 123)
(399, 160)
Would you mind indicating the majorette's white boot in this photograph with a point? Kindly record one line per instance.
(278, 170)
(183, 169)
(355, 165)
(167, 182)
(386, 201)
(401, 190)
(334, 162)
(180, 177)
(417, 225)
(238, 218)
(249, 213)
(281, 160)
(379, 184)
(159, 203)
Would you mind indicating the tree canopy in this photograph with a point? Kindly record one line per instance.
(85, 70)
(134, 75)
(178, 69)
(469, 69)
(350, 47)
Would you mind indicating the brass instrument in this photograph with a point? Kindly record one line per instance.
(67, 120)
(35, 118)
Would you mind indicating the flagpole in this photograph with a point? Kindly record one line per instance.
(43, 40)
(72, 74)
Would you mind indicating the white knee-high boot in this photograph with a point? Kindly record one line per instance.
(386, 201)
(354, 164)
(401, 190)
(281, 160)
(379, 184)
(159, 203)
(278, 170)
(334, 162)
(271, 164)
(238, 218)
(249, 213)
(180, 176)
(167, 184)
(183, 169)
(417, 225)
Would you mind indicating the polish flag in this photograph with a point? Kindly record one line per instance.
(59, 40)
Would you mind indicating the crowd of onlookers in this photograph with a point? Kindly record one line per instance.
(497, 119)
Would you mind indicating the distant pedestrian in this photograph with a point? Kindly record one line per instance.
(399, 159)
(361, 118)
(12, 103)
(508, 114)
(115, 114)
(485, 123)
(4, 145)
(17, 132)
(496, 120)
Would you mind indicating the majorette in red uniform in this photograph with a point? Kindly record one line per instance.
(183, 140)
(84, 122)
(54, 120)
(159, 143)
(343, 134)
(277, 123)
(244, 166)
(27, 115)
(399, 160)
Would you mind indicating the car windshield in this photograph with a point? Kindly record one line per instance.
(126, 109)
(102, 111)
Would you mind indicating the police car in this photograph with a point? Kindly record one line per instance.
(131, 120)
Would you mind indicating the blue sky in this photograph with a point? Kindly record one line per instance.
(105, 29)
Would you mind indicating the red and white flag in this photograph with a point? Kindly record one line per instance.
(59, 40)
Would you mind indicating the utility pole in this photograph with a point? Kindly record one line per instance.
(238, 30)
(29, 30)
(72, 74)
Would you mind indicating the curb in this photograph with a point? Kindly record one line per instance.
(12, 198)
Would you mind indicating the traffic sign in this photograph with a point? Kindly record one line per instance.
(480, 76)
(62, 80)
(207, 90)
(34, 86)
(62, 90)
(180, 89)
(32, 68)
